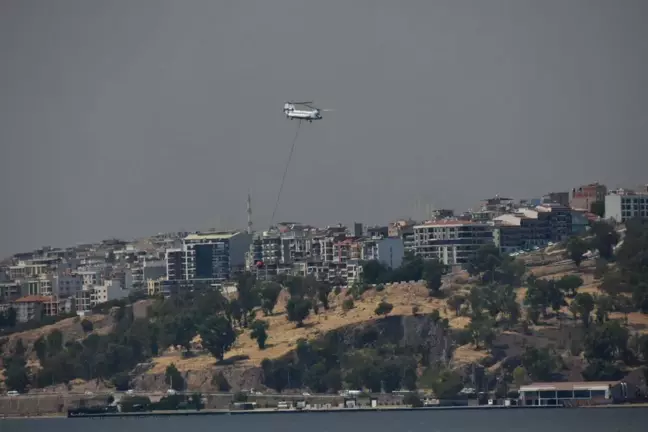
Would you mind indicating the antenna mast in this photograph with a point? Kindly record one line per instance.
(249, 214)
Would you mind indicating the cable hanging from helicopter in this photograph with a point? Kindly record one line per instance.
(291, 113)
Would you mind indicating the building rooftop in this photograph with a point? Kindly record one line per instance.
(568, 386)
(222, 235)
(508, 219)
(450, 222)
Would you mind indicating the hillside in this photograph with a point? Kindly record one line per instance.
(283, 334)
(510, 313)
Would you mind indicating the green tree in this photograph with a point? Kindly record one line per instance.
(16, 374)
(604, 306)
(54, 342)
(607, 342)
(298, 310)
(259, 332)
(173, 378)
(40, 347)
(520, 376)
(373, 272)
(248, 295)
(482, 331)
(541, 364)
(87, 326)
(576, 248)
(605, 238)
(445, 383)
(542, 294)
(411, 269)
(456, 302)
(569, 284)
(583, 306)
(217, 336)
(412, 399)
(433, 271)
(323, 291)
(269, 295)
(383, 308)
(601, 268)
(347, 304)
(121, 381)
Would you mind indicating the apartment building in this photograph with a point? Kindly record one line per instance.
(388, 251)
(520, 231)
(10, 291)
(175, 269)
(153, 269)
(154, 286)
(125, 277)
(623, 205)
(403, 229)
(27, 270)
(451, 241)
(215, 256)
(30, 308)
(346, 250)
(561, 198)
(584, 196)
(91, 296)
(375, 232)
(560, 220)
(91, 276)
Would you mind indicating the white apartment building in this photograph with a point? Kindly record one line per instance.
(388, 251)
(451, 241)
(26, 270)
(91, 296)
(622, 206)
(91, 276)
(110, 290)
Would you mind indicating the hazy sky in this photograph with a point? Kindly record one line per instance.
(129, 117)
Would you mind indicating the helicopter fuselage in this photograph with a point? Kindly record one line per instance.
(303, 115)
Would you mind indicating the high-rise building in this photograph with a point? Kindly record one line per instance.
(451, 241)
(215, 256)
(622, 206)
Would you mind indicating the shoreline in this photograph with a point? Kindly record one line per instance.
(301, 411)
(259, 411)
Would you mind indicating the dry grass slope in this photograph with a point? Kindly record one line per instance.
(283, 334)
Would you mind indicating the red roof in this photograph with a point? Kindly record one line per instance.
(33, 299)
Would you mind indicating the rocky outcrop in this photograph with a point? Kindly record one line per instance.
(239, 378)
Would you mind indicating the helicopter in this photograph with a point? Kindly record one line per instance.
(308, 115)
